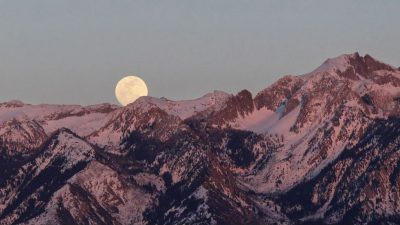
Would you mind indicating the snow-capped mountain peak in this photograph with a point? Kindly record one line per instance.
(185, 108)
(319, 148)
(318, 114)
(339, 63)
(355, 67)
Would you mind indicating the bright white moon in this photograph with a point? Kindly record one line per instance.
(129, 89)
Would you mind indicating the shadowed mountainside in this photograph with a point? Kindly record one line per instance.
(319, 148)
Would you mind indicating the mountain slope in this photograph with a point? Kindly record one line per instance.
(20, 136)
(362, 184)
(316, 148)
(25, 192)
(317, 115)
(81, 120)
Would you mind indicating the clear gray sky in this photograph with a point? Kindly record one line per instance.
(75, 51)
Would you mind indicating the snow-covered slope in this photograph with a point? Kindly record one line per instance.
(157, 118)
(23, 191)
(20, 136)
(317, 148)
(361, 185)
(184, 109)
(97, 191)
(318, 114)
(82, 120)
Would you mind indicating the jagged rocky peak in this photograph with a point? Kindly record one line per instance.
(360, 185)
(64, 141)
(20, 136)
(143, 116)
(320, 147)
(35, 180)
(368, 64)
(185, 108)
(238, 105)
(81, 119)
(346, 77)
(272, 96)
(12, 104)
(350, 81)
(317, 114)
(71, 145)
(356, 67)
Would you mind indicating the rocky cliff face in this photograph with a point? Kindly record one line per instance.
(362, 184)
(316, 148)
(20, 137)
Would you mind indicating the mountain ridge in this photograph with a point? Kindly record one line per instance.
(274, 158)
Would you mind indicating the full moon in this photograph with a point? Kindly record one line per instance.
(129, 89)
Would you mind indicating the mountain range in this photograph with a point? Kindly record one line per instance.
(318, 148)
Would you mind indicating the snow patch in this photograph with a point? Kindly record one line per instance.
(187, 108)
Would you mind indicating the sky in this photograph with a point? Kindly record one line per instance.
(75, 51)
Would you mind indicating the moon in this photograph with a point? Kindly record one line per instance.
(129, 89)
